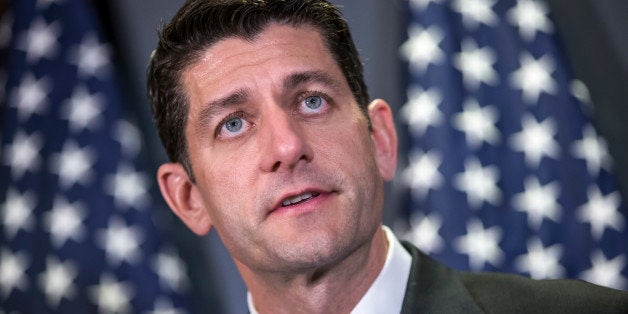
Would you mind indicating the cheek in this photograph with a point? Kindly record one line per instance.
(225, 182)
(349, 147)
(226, 168)
(351, 154)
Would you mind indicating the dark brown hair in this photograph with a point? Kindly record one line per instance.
(201, 23)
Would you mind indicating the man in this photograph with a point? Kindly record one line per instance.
(263, 111)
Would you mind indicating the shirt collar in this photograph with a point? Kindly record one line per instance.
(387, 291)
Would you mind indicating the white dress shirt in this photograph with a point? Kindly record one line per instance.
(387, 291)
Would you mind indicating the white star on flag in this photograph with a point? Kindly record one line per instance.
(73, 165)
(424, 233)
(479, 183)
(476, 12)
(17, 212)
(30, 96)
(541, 262)
(171, 270)
(530, 16)
(422, 47)
(65, 221)
(57, 281)
(580, 90)
(534, 76)
(128, 187)
(23, 154)
(601, 212)
(129, 138)
(164, 306)
(536, 140)
(91, 57)
(606, 272)
(121, 242)
(83, 110)
(421, 110)
(112, 296)
(476, 64)
(40, 41)
(477, 123)
(420, 5)
(480, 244)
(12, 271)
(538, 202)
(593, 150)
(422, 174)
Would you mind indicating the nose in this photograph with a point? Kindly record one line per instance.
(283, 143)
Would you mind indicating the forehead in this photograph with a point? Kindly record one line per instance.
(276, 51)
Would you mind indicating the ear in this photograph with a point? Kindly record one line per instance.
(384, 137)
(183, 197)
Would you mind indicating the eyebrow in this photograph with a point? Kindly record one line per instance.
(293, 80)
(215, 106)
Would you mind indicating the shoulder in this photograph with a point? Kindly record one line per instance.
(436, 288)
(503, 292)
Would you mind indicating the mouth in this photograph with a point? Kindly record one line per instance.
(298, 199)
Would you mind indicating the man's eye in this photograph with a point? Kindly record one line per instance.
(232, 126)
(313, 102)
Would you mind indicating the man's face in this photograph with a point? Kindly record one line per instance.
(285, 165)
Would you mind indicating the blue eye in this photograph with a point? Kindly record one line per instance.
(233, 124)
(313, 102)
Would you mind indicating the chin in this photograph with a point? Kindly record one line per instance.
(308, 253)
(318, 251)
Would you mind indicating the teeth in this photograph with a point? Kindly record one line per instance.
(296, 199)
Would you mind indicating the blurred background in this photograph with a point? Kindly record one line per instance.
(510, 116)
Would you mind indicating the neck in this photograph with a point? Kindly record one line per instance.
(335, 288)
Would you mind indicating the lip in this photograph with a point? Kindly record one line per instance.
(309, 205)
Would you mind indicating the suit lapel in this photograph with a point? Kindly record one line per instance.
(435, 288)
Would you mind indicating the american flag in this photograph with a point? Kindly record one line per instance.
(77, 225)
(506, 171)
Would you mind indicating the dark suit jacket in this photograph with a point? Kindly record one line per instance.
(435, 288)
